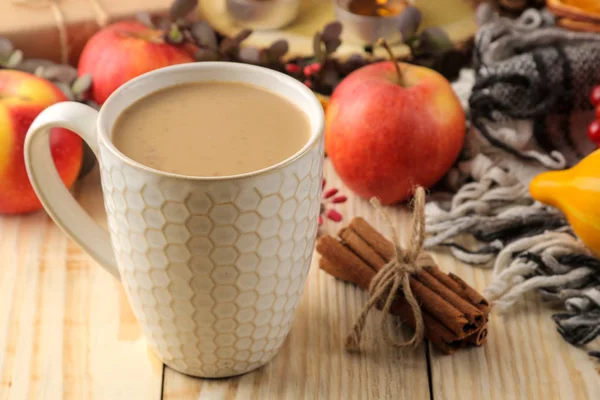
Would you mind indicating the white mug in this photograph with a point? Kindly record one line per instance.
(214, 267)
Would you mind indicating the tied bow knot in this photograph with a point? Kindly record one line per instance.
(395, 276)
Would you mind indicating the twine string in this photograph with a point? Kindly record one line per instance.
(395, 275)
(100, 14)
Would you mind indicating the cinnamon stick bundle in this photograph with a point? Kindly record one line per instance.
(454, 314)
(385, 249)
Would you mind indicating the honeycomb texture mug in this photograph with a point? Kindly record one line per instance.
(214, 268)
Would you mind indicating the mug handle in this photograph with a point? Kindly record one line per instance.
(51, 191)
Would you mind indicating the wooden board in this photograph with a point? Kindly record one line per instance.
(67, 331)
(456, 17)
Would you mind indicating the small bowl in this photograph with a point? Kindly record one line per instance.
(367, 29)
(263, 14)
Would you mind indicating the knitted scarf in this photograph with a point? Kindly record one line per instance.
(528, 105)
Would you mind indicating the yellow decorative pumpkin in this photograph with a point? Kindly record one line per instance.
(576, 192)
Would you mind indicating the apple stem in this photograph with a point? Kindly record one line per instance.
(383, 43)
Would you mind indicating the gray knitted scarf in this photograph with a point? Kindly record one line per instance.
(528, 107)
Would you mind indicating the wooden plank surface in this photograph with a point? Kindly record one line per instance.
(312, 362)
(67, 331)
(525, 357)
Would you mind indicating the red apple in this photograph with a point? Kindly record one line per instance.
(384, 136)
(22, 97)
(124, 50)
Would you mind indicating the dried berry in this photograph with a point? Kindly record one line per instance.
(312, 69)
(334, 215)
(339, 199)
(327, 203)
(330, 193)
(594, 132)
(595, 96)
(292, 69)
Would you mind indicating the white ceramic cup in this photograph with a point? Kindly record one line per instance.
(214, 267)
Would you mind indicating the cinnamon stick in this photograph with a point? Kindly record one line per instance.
(349, 267)
(385, 249)
(436, 333)
(440, 336)
(454, 314)
(362, 248)
(343, 263)
(469, 310)
(450, 309)
(478, 338)
(460, 287)
(443, 311)
(376, 240)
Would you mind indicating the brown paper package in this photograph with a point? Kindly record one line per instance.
(34, 29)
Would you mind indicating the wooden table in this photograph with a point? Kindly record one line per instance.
(67, 331)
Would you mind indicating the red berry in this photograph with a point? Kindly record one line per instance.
(594, 132)
(312, 69)
(308, 84)
(316, 67)
(340, 199)
(292, 68)
(598, 113)
(595, 96)
(320, 220)
(324, 183)
(330, 192)
(334, 215)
